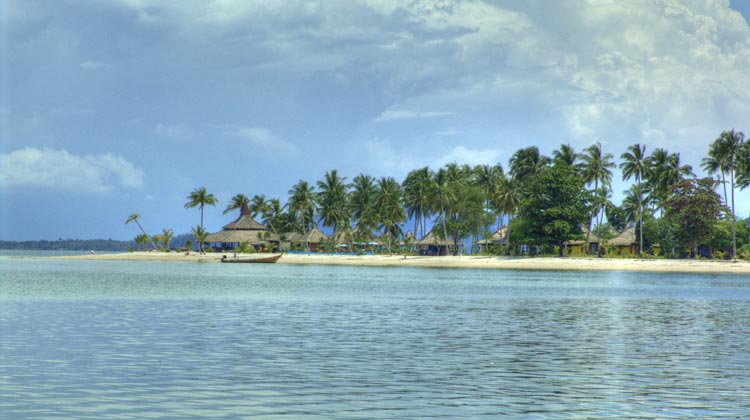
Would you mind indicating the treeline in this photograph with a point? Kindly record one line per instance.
(67, 245)
(543, 200)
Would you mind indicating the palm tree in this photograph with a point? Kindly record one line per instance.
(634, 165)
(488, 179)
(165, 237)
(565, 156)
(302, 200)
(635, 204)
(390, 211)
(239, 201)
(508, 200)
(527, 162)
(257, 205)
(726, 151)
(200, 234)
(333, 205)
(199, 197)
(596, 169)
(271, 210)
(417, 190)
(134, 218)
(362, 200)
(442, 196)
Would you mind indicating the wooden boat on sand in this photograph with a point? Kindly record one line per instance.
(258, 259)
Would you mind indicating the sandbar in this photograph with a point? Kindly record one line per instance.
(464, 261)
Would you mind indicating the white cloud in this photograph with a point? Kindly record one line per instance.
(177, 131)
(265, 139)
(463, 155)
(406, 114)
(59, 169)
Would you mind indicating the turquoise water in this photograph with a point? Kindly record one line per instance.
(99, 339)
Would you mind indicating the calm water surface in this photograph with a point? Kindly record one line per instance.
(96, 339)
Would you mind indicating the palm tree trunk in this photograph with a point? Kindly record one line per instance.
(445, 230)
(734, 241)
(144, 232)
(507, 236)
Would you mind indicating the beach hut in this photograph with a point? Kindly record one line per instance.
(244, 229)
(430, 244)
(577, 247)
(624, 243)
(498, 240)
(314, 238)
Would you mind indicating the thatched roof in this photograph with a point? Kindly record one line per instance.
(315, 236)
(592, 239)
(499, 237)
(356, 235)
(408, 237)
(625, 238)
(254, 237)
(244, 222)
(431, 239)
(244, 229)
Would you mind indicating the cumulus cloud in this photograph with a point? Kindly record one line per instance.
(58, 169)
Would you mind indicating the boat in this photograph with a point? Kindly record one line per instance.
(260, 259)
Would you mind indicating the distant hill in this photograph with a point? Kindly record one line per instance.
(68, 245)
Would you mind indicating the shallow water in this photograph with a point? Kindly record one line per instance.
(110, 339)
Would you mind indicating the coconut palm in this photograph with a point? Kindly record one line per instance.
(362, 200)
(442, 196)
(508, 200)
(726, 151)
(303, 201)
(239, 201)
(488, 179)
(417, 190)
(134, 218)
(200, 234)
(333, 203)
(199, 197)
(257, 205)
(636, 204)
(165, 237)
(596, 169)
(565, 156)
(390, 211)
(634, 165)
(527, 162)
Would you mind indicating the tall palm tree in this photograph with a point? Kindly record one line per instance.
(390, 210)
(333, 201)
(199, 197)
(442, 196)
(716, 162)
(417, 190)
(726, 150)
(635, 204)
(508, 200)
(634, 165)
(362, 200)
(596, 169)
(134, 218)
(257, 205)
(303, 200)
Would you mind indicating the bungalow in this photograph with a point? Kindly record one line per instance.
(244, 229)
(499, 239)
(624, 243)
(313, 239)
(578, 247)
(432, 245)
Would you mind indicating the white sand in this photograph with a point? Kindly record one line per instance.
(508, 263)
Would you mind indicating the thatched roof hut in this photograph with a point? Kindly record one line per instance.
(315, 236)
(244, 229)
(593, 239)
(625, 238)
(408, 238)
(432, 239)
(500, 237)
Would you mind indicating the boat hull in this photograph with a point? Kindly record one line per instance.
(267, 260)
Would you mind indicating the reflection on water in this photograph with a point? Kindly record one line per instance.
(125, 340)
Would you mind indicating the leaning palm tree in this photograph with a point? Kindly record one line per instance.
(634, 165)
(134, 218)
(199, 197)
(508, 200)
(596, 169)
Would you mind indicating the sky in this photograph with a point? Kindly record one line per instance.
(125, 106)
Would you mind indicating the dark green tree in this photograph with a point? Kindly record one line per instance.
(694, 207)
(555, 206)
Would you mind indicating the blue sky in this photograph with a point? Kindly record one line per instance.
(125, 106)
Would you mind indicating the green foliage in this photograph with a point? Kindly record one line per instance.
(661, 233)
(555, 206)
(694, 207)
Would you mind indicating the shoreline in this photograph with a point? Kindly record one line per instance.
(466, 261)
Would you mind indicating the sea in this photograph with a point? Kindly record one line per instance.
(88, 339)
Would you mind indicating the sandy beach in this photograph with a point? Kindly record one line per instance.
(503, 263)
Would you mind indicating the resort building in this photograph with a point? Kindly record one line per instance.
(624, 244)
(243, 230)
(497, 243)
(432, 245)
(313, 240)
